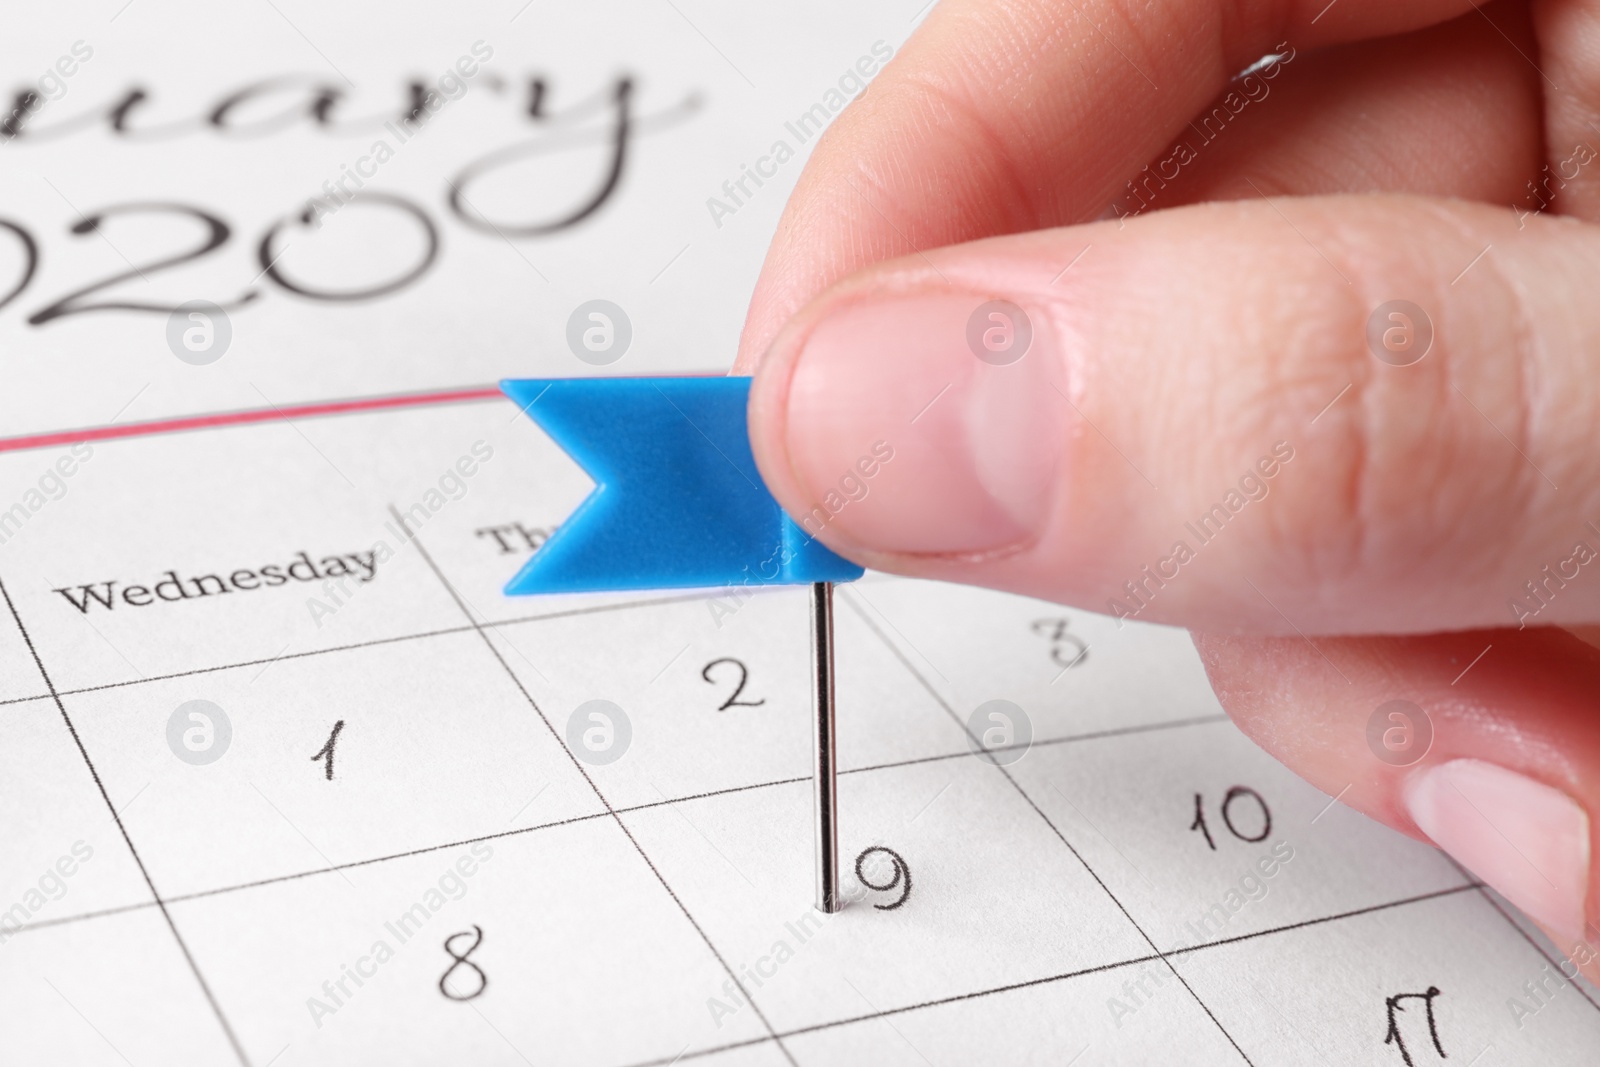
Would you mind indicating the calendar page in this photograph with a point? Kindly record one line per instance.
(285, 779)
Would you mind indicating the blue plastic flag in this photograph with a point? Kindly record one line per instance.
(677, 503)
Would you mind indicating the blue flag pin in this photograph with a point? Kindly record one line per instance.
(678, 503)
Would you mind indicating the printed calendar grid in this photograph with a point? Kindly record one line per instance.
(906, 662)
(1052, 979)
(775, 1037)
(161, 903)
(178, 898)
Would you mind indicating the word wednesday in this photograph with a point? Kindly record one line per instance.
(363, 566)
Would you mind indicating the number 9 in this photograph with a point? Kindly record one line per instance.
(901, 870)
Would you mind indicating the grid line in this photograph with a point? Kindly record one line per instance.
(578, 765)
(928, 686)
(183, 946)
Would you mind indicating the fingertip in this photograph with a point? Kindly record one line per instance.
(888, 427)
(1527, 839)
(1485, 744)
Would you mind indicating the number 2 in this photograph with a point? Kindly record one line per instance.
(217, 233)
(744, 676)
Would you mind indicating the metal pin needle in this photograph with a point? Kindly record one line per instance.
(824, 792)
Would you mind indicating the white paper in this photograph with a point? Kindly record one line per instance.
(218, 889)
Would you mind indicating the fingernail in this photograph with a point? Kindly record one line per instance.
(974, 434)
(1528, 841)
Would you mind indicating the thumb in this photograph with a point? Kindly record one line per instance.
(1333, 415)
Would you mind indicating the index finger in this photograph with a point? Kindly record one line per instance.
(1000, 117)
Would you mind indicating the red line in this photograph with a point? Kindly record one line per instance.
(242, 418)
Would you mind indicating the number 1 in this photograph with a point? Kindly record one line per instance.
(326, 752)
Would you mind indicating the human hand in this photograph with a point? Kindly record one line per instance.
(1222, 419)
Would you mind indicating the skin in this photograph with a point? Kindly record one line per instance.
(1176, 344)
